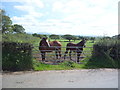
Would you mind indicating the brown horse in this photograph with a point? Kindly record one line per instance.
(75, 48)
(45, 46)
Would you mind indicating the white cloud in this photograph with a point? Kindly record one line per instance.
(57, 6)
(31, 7)
(37, 3)
(32, 16)
(81, 17)
(24, 8)
(88, 14)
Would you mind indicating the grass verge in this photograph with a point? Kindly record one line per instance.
(66, 65)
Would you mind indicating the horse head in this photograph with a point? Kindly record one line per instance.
(82, 43)
(44, 42)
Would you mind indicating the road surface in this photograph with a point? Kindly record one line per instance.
(84, 78)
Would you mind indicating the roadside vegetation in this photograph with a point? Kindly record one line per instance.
(104, 52)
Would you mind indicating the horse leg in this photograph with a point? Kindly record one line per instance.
(78, 56)
(65, 54)
(59, 51)
(59, 54)
(43, 56)
(56, 54)
(70, 54)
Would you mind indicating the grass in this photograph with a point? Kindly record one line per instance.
(88, 61)
(66, 65)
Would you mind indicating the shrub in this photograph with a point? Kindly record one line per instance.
(19, 38)
(16, 56)
(106, 53)
(111, 47)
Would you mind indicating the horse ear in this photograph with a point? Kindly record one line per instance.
(44, 38)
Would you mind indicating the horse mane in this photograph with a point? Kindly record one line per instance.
(40, 44)
(81, 43)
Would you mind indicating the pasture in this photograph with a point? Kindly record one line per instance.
(88, 58)
(61, 64)
(103, 54)
(87, 50)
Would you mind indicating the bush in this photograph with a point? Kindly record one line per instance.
(19, 38)
(111, 47)
(16, 56)
(106, 53)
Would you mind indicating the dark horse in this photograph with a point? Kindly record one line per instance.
(75, 48)
(45, 46)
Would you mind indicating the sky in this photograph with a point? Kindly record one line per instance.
(75, 17)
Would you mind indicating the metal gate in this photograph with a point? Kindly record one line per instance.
(51, 56)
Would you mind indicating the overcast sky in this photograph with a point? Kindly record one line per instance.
(76, 17)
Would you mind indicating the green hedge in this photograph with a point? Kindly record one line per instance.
(110, 47)
(16, 56)
(106, 54)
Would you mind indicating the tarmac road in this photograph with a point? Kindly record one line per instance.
(84, 78)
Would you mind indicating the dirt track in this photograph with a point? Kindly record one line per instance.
(84, 78)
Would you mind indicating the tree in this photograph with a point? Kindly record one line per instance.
(68, 37)
(116, 36)
(6, 22)
(53, 36)
(18, 28)
(74, 38)
(39, 35)
(80, 37)
(93, 39)
(35, 34)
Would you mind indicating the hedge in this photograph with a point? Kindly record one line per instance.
(16, 56)
(106, 54)
(110, 47)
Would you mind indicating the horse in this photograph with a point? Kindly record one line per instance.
(45, 46)
(75, 48)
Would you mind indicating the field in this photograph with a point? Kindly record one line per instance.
(87, 49)
(87, 59)
(67, 64)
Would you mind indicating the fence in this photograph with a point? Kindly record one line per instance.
(51, 56)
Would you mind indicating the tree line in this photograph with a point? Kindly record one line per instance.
(66, 36)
